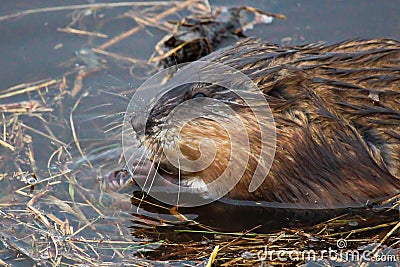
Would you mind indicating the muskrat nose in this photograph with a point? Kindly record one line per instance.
(137, 124)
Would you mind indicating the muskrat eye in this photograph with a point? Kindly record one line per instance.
(199, 95)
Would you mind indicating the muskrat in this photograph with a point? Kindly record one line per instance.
(337, 115)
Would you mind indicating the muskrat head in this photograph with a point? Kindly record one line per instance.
(205, 137)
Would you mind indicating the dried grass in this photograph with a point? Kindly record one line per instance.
(49, 217)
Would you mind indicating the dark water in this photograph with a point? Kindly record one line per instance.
(32, 49)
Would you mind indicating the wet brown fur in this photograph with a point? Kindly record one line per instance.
(337, 114)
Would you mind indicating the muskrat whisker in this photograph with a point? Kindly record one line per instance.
(124, 97)
(136, 112)
(118, 125)
(154, 175)
(116, 120)
(99, 106)
(145, 155)
(118, 116)
(100, 116)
